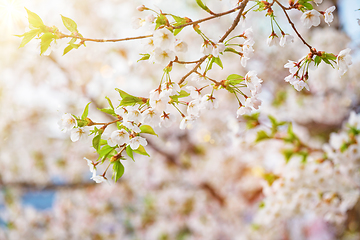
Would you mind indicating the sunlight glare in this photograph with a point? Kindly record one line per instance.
(10, 14)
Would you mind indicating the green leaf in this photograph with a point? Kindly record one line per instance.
(229, 49)
(317, 60)
(203, 6)
(160, 21)
(234, 77)
(179, 21)
(110, 103)
(86, 112)
(68, 49)
(147, 129)
(144, 57)
(129, 152)
(176, 31)
(46, 40)
(69, 24)
(141, 150)
(105, 151)
(261, 135)
(34, 20)
(129, 100)
(287, 154)
(118, 170)
(28, 36)
(217, 60)
(108, 111)
(270, 178)
(182, 94)
(96, 142)
(308, 6)
(261, 7)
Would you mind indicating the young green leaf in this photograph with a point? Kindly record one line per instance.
(129, 152)
(68, 49)
(129, 100)
(203, 6)
(34, 20)
(96, 142)
(144, 57)
(160, 21)
(182, 94)
(147, 129)
(105, 151)
(46, 40)
(118, 170)
(141, 150)
(108, 111)
(217, 60)
(235, 77)
(28, 36)
(261, 135)
(86, 112)
(110, 103)
(69, 24)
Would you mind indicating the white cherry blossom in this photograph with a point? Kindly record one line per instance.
(286, 39)
(166, 120)
(206, 48)
(292, 66)
(132, 126)
(120, 137)
(163, 38)
(243, 110)
(135, 142)
(99, 179)
(180, 46)
(272, 40)
(91, 166)
(194, 107)
(187, 120)
(343, 61)
(150, 117)
(252, 81)
(194, 92)
(310, 18)
(67, 122)
(209, 102)
(133, 114)
(217, 49)
(162, 56)
(329, 17)
(300, 84)
(78, 133)
(253, 102)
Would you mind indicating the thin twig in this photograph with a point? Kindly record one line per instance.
(104, 40)
(293, 26)
(208, 18)
(201, 60)
(236, 21)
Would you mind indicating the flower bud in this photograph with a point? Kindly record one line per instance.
(141, 8)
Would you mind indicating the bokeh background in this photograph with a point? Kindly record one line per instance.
(201, 183)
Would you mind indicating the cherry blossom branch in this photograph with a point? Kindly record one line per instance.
(236, 21)
(102, 40)
(212, 17)
(293, 26)
(200, 61)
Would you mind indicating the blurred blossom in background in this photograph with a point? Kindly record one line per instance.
(206, 182)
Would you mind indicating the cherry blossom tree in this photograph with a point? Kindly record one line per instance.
(195, 122)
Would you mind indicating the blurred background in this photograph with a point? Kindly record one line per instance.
(199, 183)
